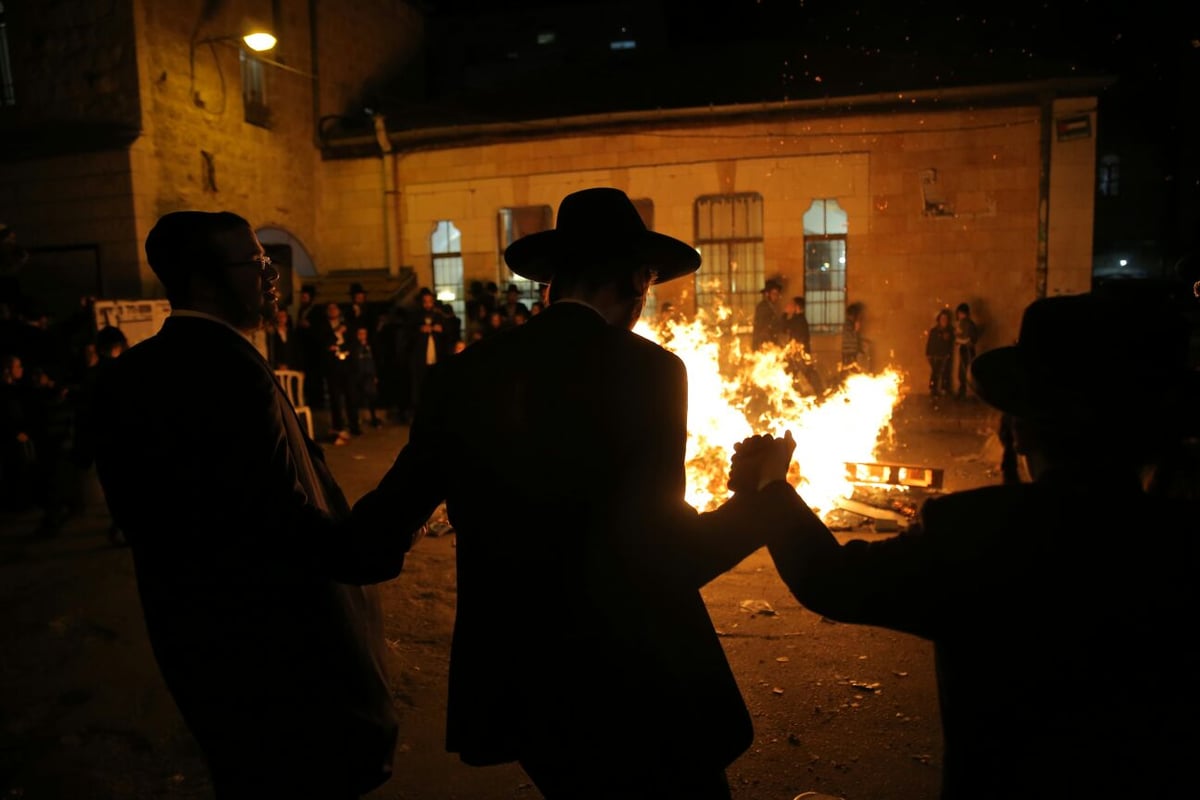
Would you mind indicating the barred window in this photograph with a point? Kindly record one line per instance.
(729, 235)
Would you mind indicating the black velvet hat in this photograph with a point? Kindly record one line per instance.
(599, 222)
(1089, 359)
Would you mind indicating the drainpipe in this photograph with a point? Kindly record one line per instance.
(316, 84)
(385, 149)
(1043, 244)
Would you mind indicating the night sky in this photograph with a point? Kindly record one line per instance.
(733, 51)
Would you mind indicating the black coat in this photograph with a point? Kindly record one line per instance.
(558, 447)
(245, 562)
(1059, 613)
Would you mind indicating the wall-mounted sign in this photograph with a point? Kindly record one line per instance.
(1073, 127)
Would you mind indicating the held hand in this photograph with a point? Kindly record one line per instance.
(777, 459)
(759, 460)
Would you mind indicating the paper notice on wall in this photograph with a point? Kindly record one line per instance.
(141, 319)
(137, 319)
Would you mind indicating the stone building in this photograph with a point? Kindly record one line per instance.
(906, 202)
(115, 113)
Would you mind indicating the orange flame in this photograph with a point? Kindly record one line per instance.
(734, 393)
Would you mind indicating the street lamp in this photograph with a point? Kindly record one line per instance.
(259, 40)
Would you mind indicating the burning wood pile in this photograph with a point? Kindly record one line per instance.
(735, 393)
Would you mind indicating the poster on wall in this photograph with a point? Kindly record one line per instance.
(141, 319)
(137, 319)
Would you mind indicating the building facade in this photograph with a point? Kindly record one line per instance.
(116, 113)
(906, 203)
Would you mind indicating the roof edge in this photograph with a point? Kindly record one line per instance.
(359, 146)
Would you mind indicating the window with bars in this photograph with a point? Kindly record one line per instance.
(729, 235)
(446, 246)
(513, 223)
(825, 228)
(254, 91)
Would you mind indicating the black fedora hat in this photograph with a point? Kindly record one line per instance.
(1090, 360)
(599, 222)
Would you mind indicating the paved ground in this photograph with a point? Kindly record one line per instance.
(846, 710)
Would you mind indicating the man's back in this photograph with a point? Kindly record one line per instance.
(1057, 611)
(580, 626)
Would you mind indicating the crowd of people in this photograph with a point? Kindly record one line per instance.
(48, 374)
(1050, 602)
(366, 362)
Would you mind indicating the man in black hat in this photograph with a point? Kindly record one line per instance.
(310, 323)
(582, 648)
(768, 317)
(246, 565)
(1054, 606)
(358, 314)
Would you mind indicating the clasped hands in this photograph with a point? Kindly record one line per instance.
(760, 460)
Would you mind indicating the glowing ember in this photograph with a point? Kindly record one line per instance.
(735, 393)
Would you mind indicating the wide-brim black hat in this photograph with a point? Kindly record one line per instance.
(1089, 360)
(593, 224)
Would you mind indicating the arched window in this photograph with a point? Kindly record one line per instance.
(446, 246)
(825, 227)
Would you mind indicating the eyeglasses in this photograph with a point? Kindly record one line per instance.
(262, 262)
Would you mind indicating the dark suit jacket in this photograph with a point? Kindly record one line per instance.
(1058, 613)
(245, 563)
(580, 633)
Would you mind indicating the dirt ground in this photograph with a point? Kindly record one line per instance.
(838, 709)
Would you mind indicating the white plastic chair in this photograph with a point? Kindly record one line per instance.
(292, 381)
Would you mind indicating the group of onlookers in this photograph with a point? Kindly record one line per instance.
(48, 374)
(363, 359)
(946, 340)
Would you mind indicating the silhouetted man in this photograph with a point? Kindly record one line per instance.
(582, 648)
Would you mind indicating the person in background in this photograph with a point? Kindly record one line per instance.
(797, 336)
(358, 314)
(451, 327)
(512, 306)
(110, 343)
(966, 335)
(365, 374)
(283, 346)
(254, 583)
(768, 319)
(939, 352)
(428, 342)
(854, 345)
(311, 324)
(336, 342)
(1080, 572)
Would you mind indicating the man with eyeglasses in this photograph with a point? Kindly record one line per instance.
(253, 588)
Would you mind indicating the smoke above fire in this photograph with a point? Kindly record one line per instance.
(735, 392)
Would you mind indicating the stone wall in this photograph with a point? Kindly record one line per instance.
(943, 206)
(138, 111)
